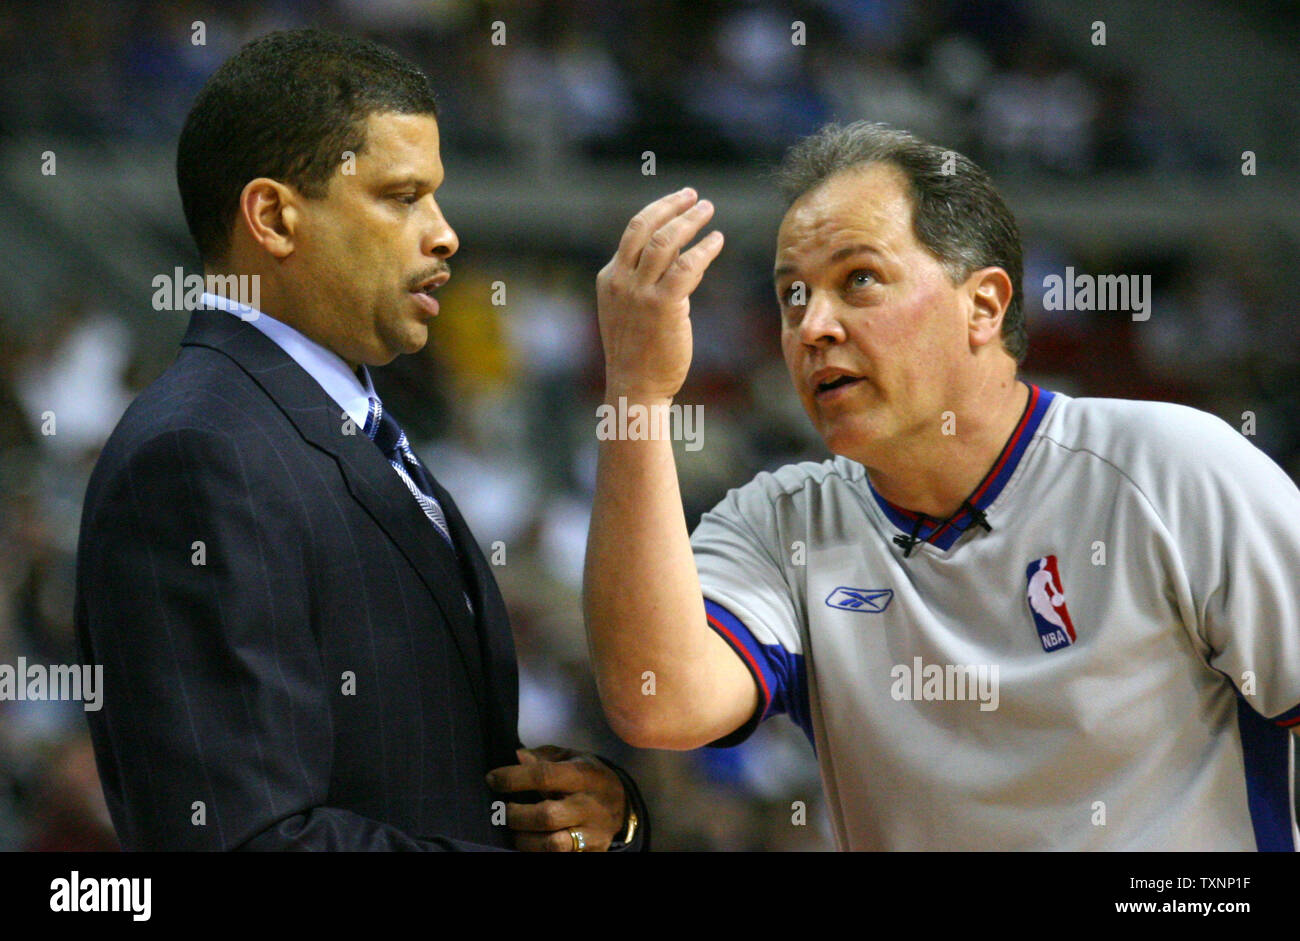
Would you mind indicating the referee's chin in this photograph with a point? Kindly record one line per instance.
(846, 437)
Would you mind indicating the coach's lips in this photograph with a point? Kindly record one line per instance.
(423, 292)
(827, 383)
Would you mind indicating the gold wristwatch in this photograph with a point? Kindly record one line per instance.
(628, 834)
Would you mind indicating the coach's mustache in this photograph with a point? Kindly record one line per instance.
(440, 273)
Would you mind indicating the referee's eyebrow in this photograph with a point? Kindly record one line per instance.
(838, 255)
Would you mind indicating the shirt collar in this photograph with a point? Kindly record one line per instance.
(330, 370)
(943, 533)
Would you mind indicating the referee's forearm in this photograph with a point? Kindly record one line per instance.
(657, 663)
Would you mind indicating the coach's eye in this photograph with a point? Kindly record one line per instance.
(862, 278)
(409, 199)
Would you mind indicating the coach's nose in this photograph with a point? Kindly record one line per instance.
(439, 239)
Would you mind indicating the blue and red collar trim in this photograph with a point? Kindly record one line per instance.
(943, 533)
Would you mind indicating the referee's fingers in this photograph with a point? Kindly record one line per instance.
(665, 246)
(648, 221)
(687, 270)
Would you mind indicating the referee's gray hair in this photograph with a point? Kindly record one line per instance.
(956, 212)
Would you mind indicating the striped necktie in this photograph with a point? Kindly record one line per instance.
(383, 430)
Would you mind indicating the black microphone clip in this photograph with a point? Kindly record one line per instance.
(906, 543)
(977, 515)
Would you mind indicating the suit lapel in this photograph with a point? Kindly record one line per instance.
(369, 478)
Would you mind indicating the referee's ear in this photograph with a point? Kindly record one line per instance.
(989, 290)
(269, 214)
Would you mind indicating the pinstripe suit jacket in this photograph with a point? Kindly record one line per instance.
(289, 660)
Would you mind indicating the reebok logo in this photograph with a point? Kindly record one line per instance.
(865, 600)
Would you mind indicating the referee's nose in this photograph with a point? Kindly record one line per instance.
(820, 325)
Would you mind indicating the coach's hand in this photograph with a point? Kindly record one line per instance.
(643, 296)
(579, 793)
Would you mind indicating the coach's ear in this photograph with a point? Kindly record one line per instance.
(268, 210)
(990, 294)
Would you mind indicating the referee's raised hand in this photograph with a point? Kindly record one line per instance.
(643, 296)
(642, 603)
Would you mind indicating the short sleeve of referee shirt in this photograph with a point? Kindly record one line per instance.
(1235, 516)
(751, 600)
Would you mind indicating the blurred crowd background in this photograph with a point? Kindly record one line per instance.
(1122, 157)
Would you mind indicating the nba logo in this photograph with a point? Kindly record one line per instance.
(1047, 604)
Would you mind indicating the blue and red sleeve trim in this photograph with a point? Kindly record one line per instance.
(1289, 719)
(1267, 765)
(780, 675)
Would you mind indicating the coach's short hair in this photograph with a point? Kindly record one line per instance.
(956, 212)
(286, 106)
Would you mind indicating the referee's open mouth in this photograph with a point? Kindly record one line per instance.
(831, 382)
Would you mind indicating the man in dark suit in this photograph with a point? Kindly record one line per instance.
(303, 646)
